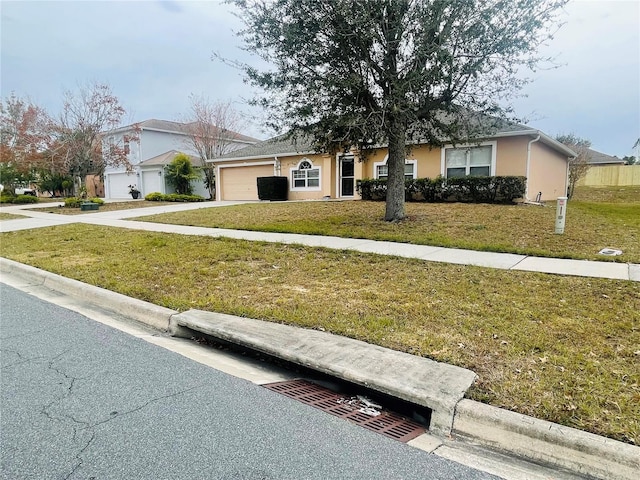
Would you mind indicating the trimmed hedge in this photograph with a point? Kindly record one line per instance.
(458, 189)
(172, 197)
(25, 199)
(75, 202)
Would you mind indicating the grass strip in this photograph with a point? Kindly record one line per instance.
(522, 229)
(564, 349)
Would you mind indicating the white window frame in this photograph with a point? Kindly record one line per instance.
(306, 188)
(406, 162)
(443, 158)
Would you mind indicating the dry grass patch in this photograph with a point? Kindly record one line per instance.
(105, 207)
(564, 349)
(9, 216)
(522, 229)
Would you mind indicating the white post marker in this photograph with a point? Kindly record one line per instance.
(561, 214)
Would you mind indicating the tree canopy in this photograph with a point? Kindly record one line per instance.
(365, 73)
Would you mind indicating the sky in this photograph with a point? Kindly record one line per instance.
(154, 54)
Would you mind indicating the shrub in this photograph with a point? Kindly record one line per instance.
(372, 189)
(510, 188)
(428, 190)
(97, 200)
(25, 199)
(6, 197)
(154, 197)
(172, 197)
(73, 202)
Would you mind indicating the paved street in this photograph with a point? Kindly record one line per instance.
(83, 400)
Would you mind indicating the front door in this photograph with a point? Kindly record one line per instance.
(347, 176)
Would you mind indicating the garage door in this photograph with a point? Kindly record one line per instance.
(118, 184)
(152, 182)
(239, 183)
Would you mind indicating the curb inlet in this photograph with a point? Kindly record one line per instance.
(359, 410)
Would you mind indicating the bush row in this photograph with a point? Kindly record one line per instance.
(18, 199)
(172, 197)
(75, 202)
(459, 189)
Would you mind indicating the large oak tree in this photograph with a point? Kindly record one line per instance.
(364, 73)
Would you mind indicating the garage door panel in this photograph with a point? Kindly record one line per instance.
(240, 183)
(119, 184)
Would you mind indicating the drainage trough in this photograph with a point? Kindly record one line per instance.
(437, 386)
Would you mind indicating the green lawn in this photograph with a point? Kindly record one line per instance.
(595, 219)
(564, 349)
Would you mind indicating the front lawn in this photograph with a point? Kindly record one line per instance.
(105, 207)
(524, 229)
(564, 349)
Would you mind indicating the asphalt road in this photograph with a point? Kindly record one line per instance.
(81, 400)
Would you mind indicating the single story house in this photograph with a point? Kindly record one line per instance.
(598, 159)
(514, 150)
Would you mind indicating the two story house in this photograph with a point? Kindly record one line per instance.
(149, 146)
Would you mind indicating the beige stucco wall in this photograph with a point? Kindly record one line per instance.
(428, 161)
(547, 173)
(511, 156)
(322, 161)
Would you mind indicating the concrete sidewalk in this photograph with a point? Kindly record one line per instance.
(504, 261)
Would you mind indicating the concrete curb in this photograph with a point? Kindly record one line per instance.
(545, 442)
(518, 435)
(437, 386)
(138, 310)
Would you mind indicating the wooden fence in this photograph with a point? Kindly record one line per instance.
(611, 176)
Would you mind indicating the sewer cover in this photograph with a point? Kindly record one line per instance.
(358, 410)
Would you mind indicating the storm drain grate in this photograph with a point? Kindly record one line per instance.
(355, 409)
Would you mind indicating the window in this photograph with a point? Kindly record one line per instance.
(306, 176)
(381, 170)
(126, 147)
(462, 162)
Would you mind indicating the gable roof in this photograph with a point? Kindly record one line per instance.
(179, 128)
(599, 158)
(167, 157)
(288, 145)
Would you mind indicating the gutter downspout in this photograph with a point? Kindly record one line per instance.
(526, 190)
(276, 166)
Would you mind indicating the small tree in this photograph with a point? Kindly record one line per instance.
(212, 128)
(180, 172)
(578, 165)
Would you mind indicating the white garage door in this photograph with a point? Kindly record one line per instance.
(239, 183)
(118, 184)
(152, 182)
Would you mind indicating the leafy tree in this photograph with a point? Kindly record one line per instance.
(578, 165)
(361, 73)
(25, 136)
(180, 172)
(86, 115)
(212, 128)
(630, 160)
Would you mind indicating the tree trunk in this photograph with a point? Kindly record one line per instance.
(395, 164)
